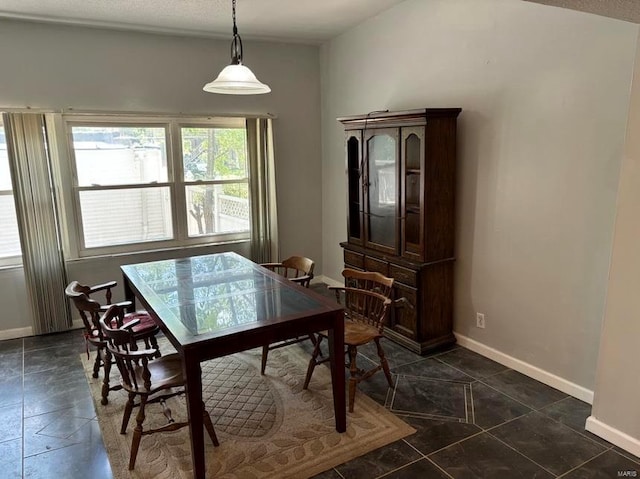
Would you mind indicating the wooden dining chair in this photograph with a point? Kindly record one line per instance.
(296, 268)
(365, 313)
(299, 270)
(367, 280)
(376, 282)
(147, 377)
(145, 329)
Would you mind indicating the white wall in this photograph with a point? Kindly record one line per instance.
(61, 67)
(615, 414)
(544, 93)
(16, 312)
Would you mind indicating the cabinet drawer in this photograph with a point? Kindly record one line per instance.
(403, 275)
(405, 314)
(372, 264)
(354, 259)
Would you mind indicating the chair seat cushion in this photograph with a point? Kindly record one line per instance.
(357, 334)
(166, 372)
(146, 322)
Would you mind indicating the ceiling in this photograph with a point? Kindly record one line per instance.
(306, 21)
(628, 10)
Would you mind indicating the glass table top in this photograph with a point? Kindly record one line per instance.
(217, 293)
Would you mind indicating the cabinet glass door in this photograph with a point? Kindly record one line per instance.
(412, 155)
(381, 189)
(354, 187)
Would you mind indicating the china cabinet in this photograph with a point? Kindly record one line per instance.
(401, 178)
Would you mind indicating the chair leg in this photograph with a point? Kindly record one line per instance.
(312, 363)
(314, 340)
(154, 345)
(384, 363)
(353, 380)
(206, 419)
(107, 370)
(265, 354)
(128, 407)
(97, 363)
(137, 433)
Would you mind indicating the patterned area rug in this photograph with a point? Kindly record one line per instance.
(268, 426)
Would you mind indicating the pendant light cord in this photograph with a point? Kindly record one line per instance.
(236, 43)
(233, 14)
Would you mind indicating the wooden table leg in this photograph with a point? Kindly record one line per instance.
(129, 294)
(336, 355)
(193, 375)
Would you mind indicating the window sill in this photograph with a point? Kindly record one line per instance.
(190, 248)
(11, 267)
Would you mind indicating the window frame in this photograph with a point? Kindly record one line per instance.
(184, 183)
(14, 260)
(175, 182)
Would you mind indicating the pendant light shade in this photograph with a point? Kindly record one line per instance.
(236, 78)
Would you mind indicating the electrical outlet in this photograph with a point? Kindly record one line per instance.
(480, 320)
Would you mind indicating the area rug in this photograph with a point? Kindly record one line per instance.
(268, 426)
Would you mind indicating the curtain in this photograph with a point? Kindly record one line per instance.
(42, 255)
(262, 185)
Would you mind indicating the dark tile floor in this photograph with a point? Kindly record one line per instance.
(474, 419)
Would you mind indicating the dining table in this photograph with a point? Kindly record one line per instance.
(214, 305)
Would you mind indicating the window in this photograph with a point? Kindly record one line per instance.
(145, 183)
(10, 252)
(216, 180)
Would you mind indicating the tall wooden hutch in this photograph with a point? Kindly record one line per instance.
(400, 219)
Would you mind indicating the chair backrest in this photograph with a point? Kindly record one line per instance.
(132, 363)
(368, 280)
(89, 308)
(299, 265)
(296, 268)
(368, 307)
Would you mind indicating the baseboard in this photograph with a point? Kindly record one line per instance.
(16, 333)
(613, 435)
(28, 331)
(527, 369)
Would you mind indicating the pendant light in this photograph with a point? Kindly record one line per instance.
(236, 78)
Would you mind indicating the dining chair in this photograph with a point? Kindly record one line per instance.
(145, 328)
(299, 270)
(367, 280)
(376, 282)
(147, 377)
(365, 313)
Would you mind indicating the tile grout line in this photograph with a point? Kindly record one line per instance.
(426, 415)
(470, 375)
(466, 404)
(510, 397)
(338, 473)
(386, 474)
(456, 368)
(438, 466)
(522, 454)
(455, 443)
(424, 456)
(428, 378)
(564, 474)
(22, 413)
(473, 408)
(420, 358)
(582, 433)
